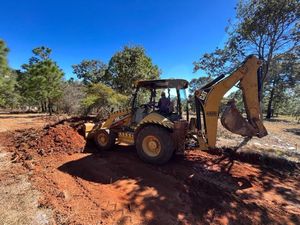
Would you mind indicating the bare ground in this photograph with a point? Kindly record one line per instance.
(18, 199)
(283, 140)
(115, 187)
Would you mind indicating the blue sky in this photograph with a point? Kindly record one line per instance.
(174, 33)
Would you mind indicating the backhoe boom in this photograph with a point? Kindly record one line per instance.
(208, 100)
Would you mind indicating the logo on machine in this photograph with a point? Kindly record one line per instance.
(203, 95)
(211, 113)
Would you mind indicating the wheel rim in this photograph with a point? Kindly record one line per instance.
(151, 146)
(102, 139)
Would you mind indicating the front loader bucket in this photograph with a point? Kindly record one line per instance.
(233, 121)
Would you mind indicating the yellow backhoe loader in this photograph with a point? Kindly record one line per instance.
(160, 127)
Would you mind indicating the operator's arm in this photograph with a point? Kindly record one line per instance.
(159, 103)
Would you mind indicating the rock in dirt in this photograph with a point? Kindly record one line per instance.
(65, 195)
(28, 165)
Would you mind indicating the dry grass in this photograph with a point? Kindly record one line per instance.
(283, 140)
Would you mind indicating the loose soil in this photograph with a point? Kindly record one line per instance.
(80, 185)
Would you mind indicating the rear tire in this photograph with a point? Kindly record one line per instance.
(105, 140)
(154, 144)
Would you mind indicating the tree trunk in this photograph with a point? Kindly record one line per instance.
(270, 103)
(43, 106)
(50, 107)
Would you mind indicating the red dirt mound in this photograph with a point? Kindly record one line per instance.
(41, 142)
(61, 138)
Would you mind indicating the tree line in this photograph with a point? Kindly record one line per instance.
(40, 85)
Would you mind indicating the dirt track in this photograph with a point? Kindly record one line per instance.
(117, 188)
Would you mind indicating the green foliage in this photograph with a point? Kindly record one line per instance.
(40, 85)
(128, 66)
(194, 85)
(8, 96)
(284, 76)
(3, 58)
(219, 62)
(41, 81)
(3, 72)
(291, 104)
(109, 86)
(197, 83)
(101, 96)
(41, 53)
(266, 28)
(92, 72)
(238, 97)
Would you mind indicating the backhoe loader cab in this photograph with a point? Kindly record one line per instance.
(154, 123)
(166, 97)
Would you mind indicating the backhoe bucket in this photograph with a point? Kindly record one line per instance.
(233, 121)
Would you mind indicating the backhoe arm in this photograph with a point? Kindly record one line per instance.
(208, 100)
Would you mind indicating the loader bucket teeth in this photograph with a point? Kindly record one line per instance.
(233, 121)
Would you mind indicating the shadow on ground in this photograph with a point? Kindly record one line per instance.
(277, 120)
(185, 189)
(295, 131)
(255, 158)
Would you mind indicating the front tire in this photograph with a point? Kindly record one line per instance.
(154, 144)
(105, 140)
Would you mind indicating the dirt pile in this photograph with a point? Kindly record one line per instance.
(61, 138)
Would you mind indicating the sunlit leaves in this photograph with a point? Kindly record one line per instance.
(130, 65)
(92, 72)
